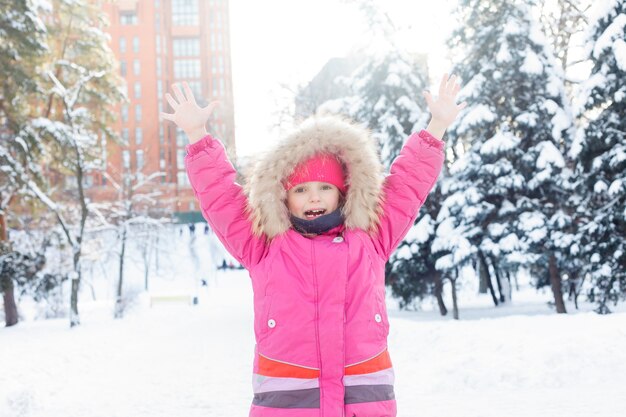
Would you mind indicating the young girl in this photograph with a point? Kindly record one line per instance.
(314, 227)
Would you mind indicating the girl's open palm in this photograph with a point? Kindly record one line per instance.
(187, 114)
(444, 109)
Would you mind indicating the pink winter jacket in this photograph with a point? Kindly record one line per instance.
(320, 319)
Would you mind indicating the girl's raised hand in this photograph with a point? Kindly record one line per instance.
(187, 115)
(444, 109)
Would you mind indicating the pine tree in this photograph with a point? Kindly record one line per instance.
(22, 44)
(411, 272)
(505, 186)
(601, 153)
(387, 97)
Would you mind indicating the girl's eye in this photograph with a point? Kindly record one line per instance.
(326, 187)
(299, 190)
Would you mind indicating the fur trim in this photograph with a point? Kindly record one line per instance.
(351, 143)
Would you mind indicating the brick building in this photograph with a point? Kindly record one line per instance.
(158, 43)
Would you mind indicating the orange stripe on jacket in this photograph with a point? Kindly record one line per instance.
(269, 367)
(377, 363)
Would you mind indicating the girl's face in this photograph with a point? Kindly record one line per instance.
(312, 199)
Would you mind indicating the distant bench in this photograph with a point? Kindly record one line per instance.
(171, 299)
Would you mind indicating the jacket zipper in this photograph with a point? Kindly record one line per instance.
(317, 324)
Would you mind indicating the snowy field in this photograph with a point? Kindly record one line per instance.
(173, 360)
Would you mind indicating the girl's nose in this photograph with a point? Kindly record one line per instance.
(314, 196)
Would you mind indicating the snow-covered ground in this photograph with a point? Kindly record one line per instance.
(175, 359)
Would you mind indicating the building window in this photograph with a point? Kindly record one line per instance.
(185, 12)
(87, 181)
(181, 138)
(180, 158)
(219, 20)
(138, 136)
(221, 61)
(126, 159)
(219, 41)
(196, 88)
(137, 89)
(139, 156)
(161, 136)
(122, 45)
(186, 68)
(124, 113)
(128, 18)
(157, 23)
(125, 135)
(136, 67)
(186, 47)
(214, 64)
(158, 44)
(213, 45)
(221, 86)
(138, 112)
(136, 44)
(123, 68)
(183, 180)
(159, 89)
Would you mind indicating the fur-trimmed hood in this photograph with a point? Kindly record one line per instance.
(351, 143)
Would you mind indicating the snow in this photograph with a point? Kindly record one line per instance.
(532, 64)
(616, 187)
(600, 187)
(474, 116)
(612, 33)
(422, 231)
(549, 155)
(500, 142)
(196, 361)
(503, 54)
(619, 49)
(393, 80)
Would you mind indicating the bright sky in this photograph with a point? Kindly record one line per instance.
(286, 42)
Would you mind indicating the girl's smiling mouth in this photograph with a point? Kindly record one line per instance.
(314, 213)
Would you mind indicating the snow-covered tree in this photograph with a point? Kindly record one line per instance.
(411, 271)
(600, 150)
(387, 97)
(22, 44)
(506, 183)
(82, 88)
(130, 216)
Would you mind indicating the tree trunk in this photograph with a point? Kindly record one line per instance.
(119, 308)
(555, 282)
(484, 269)
(455, 306)
(439, 294)
(10, 308)
(74, 316)
(8, 293)
(510, 286)
(482, 279)
(498, 280)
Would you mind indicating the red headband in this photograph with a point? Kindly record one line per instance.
(321, 167)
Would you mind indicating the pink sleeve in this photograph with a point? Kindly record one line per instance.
(222, 200)
(412, 175)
